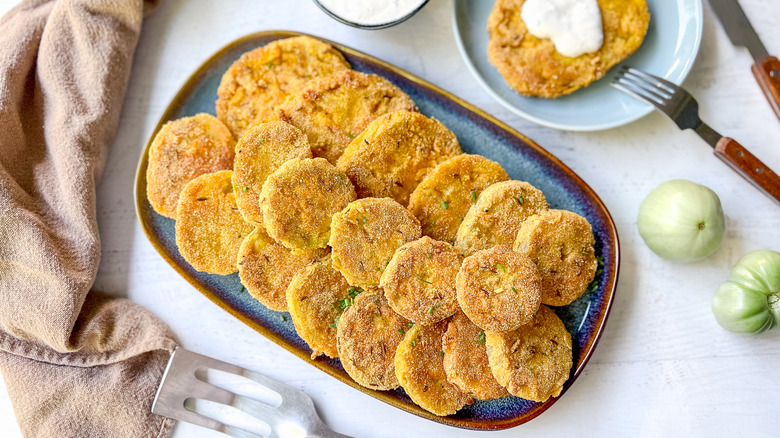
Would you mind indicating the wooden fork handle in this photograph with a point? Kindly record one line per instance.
(767, 73)
(750, 167)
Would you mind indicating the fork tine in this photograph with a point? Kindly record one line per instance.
(185, 414)
(638, 93)
(669, 86)
(642, 91)
(655, 89)
(199, 419)
(270, 383)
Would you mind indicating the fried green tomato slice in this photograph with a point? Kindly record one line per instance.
(209, 228)
(497, 216)
(300, 198)
(466, 361)
(533, 67)
(368, 334)
(266, 267)
(261, 79)
(419, 281)
(534, 361)
(443, 198)
(335, 109)
(365, 235)
(419, 366)
(315, 299)
(395, 153)
(259, 152)
(181, 151)
(498, 289)
(561, 244)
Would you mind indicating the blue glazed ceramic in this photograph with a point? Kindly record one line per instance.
(478, 133)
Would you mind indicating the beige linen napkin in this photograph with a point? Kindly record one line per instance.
(76, 363)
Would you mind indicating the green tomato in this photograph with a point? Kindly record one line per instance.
(749, 301)
(681, 221)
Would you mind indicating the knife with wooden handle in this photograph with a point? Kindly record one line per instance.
(765, 68)
(747, 165)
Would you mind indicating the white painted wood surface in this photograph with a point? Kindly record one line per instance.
(663, 366)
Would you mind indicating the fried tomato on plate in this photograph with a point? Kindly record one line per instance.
(443, 198)
(209, 228)
(334, 109)
(261, 79)
(181, 151)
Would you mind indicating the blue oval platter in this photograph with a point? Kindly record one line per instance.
(478, 133)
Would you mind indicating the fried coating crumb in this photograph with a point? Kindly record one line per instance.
(419, 281)
(365, 235)
(534, 361)
(498, 289)
(334, 109)
(533, 67)
(561, 244)
(261, 79)
(497, 216)
(443, 198)
(466, 361)
(209, 228)
(314, 297)
(395, 153)
(300, 198)
(259, 152)
(419, 366)
(266, 268)
(368, 334)
(181, 151)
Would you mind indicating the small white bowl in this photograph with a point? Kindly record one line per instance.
(402, 16)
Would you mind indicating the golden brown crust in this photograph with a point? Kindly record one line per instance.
(183, 150)
(419, 281)
(443, 198)
(534, 361)
(561, 243)
(498, 289)
(419, 366)
(395, 153)
(313, 300)
(209, 228)
(466, 361)
(263, 78)
(259, 152)
(334, 109)
(497, 216)
(533, 67)
(365, 235)
(368, 335)
(266, 268)
(300, 198)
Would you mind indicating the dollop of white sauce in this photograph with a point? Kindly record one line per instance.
(574, 26)
(371, 12)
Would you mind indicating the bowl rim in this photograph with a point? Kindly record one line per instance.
(377, 26)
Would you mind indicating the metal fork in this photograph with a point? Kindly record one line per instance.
(295, 416)
(683, 109)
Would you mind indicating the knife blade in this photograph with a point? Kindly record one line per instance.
(766, 68)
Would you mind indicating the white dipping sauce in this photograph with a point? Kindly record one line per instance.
(371, 12)
(574, 26)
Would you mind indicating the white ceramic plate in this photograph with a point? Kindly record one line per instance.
(669, 51)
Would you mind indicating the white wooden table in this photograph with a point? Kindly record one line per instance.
(663, 366)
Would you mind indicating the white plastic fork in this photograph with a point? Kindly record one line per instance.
(294, 416)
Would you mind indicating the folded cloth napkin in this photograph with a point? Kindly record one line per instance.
(75, 363)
